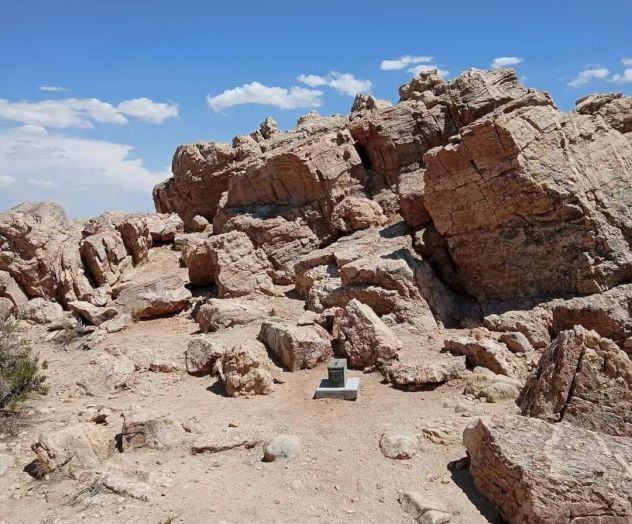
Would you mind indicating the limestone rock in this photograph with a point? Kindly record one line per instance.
(38, 248)
(201, 355)
(487, 353)
(10, 290)
(607, 313)
(614, 108)
(297, 347)
(398, 445)
(355, 213)
(6, 309)
(282, 447)
(424, 507)
(80, 447)
(363, 337)
(41, 311)
(157, 298)
(164, 227)
(93, 315)
(144, 429)
(492, 387)
(105, 257)
(547, 482)
(230, 261)
(516, 191)
(423, 372)
(243, 372)
(516, 342)
(583, 379)
(223, 313)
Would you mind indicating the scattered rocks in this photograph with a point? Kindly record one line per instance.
(282, 447)
(397, 445)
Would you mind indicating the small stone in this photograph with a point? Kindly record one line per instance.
(5, 463)
(282, 447)
(399, 445)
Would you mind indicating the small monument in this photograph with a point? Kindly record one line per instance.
(338, 384)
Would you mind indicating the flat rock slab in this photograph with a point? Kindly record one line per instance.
(348, 392)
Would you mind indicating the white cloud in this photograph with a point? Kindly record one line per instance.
(504, 61)
(404, 61)
(589, 74)
(84, 112)
(54, 89)
(344, 83)
(148, 110)
(95, 175)
(6, 180)
(626, 76)
(428, 67)
(256, 93)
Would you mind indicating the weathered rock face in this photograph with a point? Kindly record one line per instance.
(230, 261)
(39, 249)
(528, 192)
(540, 473)
(614, 108)
(583, 379)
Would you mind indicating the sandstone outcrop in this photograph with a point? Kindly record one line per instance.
(583, 379)
(539, 473)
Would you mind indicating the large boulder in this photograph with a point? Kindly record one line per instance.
(164, 227)
(528, 191)
(10, 290)
(362, 337)
(297, 347)
(105, 257)
(223, 313)
(487, 353)
(583, 379)
(540, 473)
(157, 298)
(41, 311)
(230, 261)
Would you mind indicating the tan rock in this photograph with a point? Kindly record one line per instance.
(243, 371)
(487, 353)
(93, 315)
(160, 297)
(297, 347)
(354, 213)
(547, 482)
(362, 336)
(144, 429)
(105, 257)
(164, 227)
(223, 313)
(583, 379)
(41, 311)
(423, 371)
(230, 261)
(201, 355)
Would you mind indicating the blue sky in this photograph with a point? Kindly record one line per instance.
(138, 75)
